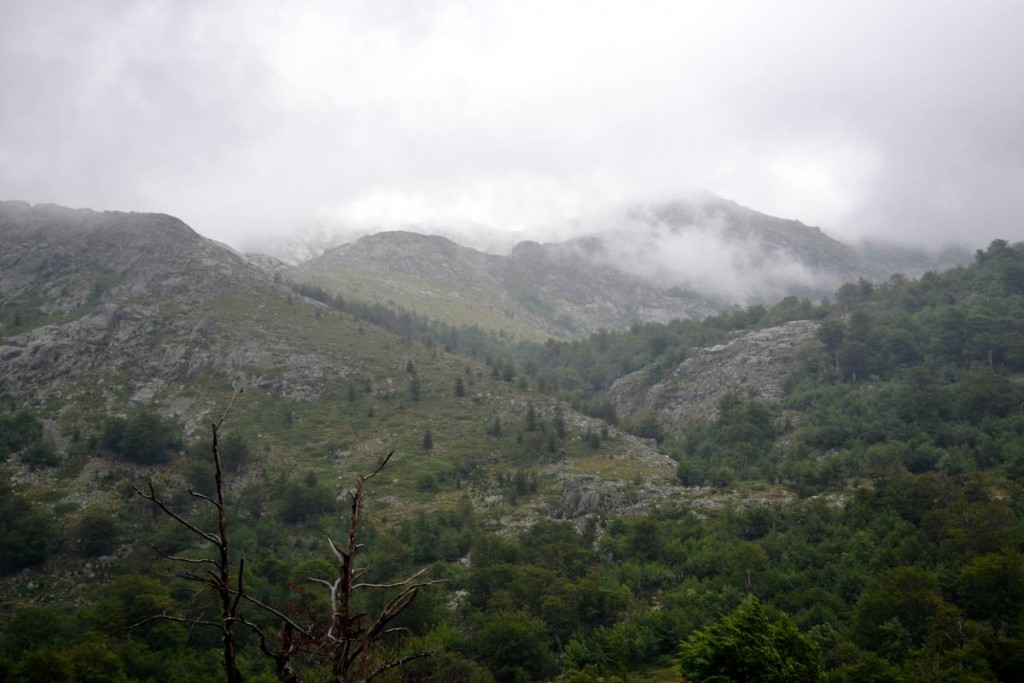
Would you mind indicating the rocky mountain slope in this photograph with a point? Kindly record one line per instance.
(647, 263)
(120, 303)
(752, 367)
(104, 312)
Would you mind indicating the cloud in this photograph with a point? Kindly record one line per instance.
(697, 246)
(872, 118)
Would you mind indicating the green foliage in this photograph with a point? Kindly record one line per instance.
(96, 533)
(897, 611)
(991, 588)
(904, 416)
(40, 454)
(747, 646)
(27, 532)
(512, 646)
(531, 422)
(302, 501)
(143, 438)
(646, 426)
(738, 440)
(19, 431)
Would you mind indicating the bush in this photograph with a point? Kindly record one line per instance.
(96, 534)
(27, 533)
(143, 438)
(304, 501)
(18, 431)
(40, 454)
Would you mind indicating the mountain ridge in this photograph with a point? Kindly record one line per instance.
(638, 263)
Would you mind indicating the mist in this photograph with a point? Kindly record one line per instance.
(252, 121)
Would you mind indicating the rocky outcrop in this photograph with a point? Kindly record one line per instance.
(751, 366)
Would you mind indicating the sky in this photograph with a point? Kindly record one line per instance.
(901, 120)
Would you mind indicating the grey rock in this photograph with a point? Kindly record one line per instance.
(751, 366)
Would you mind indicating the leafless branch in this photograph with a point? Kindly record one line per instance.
(179, 558)
(152, 497)
(397, 584)
(387, 666)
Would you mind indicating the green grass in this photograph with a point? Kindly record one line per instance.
(490, 310)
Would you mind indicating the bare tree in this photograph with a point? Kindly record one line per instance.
(349, 642)
(217, 577)
(352, 639)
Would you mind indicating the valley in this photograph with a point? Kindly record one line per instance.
(610, 461)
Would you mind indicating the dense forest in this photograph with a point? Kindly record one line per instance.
(897, 555)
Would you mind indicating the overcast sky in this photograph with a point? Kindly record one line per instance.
(896, 119)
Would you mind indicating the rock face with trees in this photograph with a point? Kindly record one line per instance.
(752, 366)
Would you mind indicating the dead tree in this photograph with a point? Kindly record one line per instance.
(348, 641)
(352, 640)
(217, 577)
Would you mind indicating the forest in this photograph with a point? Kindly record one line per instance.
(898, 554)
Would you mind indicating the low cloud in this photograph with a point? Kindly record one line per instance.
(870, 119)
(705, 251)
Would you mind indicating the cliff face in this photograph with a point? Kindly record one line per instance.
(752, 366)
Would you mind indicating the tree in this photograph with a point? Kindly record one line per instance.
(853, 359)
(27, 533)
(531, 418)
(992, 588)
(746, 646)
(227, 586)
(831, 333)
(559, 422)
(96, 533)
(513, 647)
(19, 431)
(902, 600)
(346, 640)
(143, 438)
(304, 500)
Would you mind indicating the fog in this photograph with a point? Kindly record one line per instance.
(252, 119)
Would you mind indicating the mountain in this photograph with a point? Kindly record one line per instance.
(640, 263)
(855, 464)
(121, 303)
(719, 248)
(431, 275)
(107, 313)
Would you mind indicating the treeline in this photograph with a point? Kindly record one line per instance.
(465, 340)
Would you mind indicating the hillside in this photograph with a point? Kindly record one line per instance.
(430, 275)
(106, 311)
(643, 263)
(840, 480)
